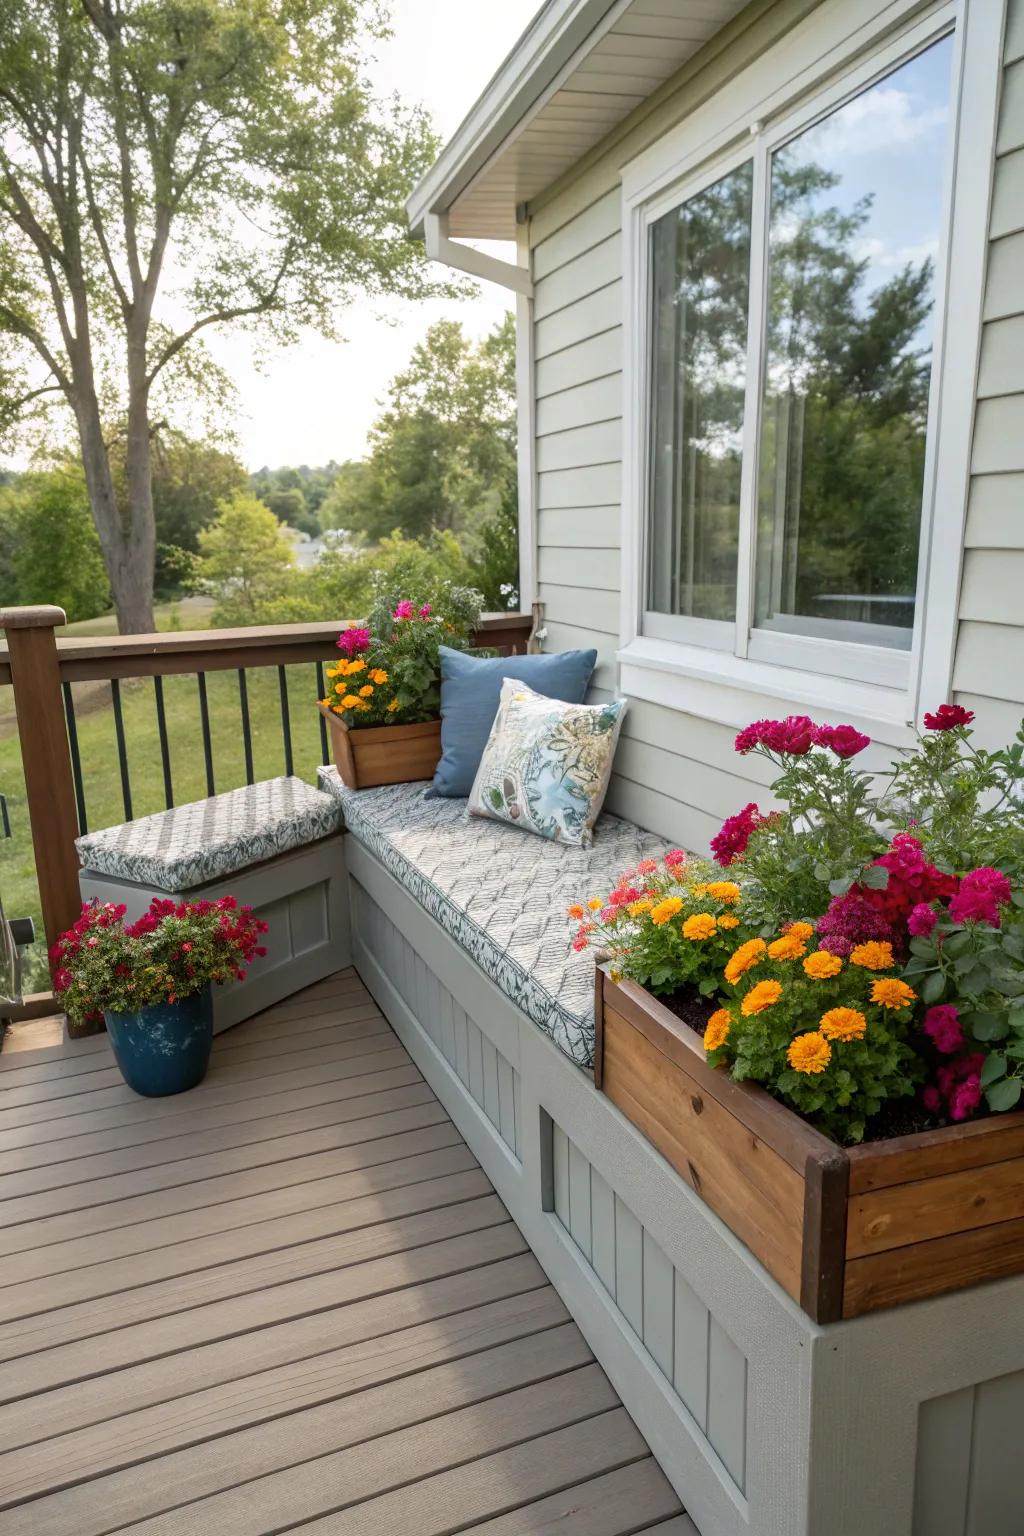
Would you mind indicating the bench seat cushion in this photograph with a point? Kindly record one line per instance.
(195, 844)
(501, 893)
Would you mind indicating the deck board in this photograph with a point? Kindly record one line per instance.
(288, 1300)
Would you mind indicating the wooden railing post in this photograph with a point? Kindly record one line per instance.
(49, 785)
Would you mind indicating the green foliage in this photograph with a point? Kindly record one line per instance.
(819, 1043)
(53, 553)
(245, 561)
(190, 481)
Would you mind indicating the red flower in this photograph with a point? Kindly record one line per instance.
(844, 740)
(947, 717)
(734, 836)
(981, 894)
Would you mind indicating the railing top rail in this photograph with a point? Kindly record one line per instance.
(87, 658)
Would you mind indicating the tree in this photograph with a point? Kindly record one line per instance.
(229, 152)
(245, 561)
(443, 449)
(53, 552)
(190, 481)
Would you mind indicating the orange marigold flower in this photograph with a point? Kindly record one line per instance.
(577, 911)
(699, 890)
(822, 964)
(801, 931)
(666, 909)
(352, 667)
(366, 691)
(765, 994)
(843, 1024)
(700, 926)
(638, 908)
(350, 701)
(873, 956)
(595, 903)
(890, 992)
(809, 1053)
(392, 706)
(786, 948)
(724, 890)
(728, 920)
(717, 1031)
(615, 976)
(378, 675)
(748, 954)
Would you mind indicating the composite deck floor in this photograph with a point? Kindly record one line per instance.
(286, 1301)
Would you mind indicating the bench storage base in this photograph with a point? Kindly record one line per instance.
(302, 895)
(765, 1421)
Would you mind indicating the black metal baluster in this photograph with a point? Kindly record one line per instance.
(122, 749)
(76, 760)
(321, 684)
(243, 703)
(204, 716)
(286, 721)
(165, 749)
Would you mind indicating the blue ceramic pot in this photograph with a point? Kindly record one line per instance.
(164, 1048)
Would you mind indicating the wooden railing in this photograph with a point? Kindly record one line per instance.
(41, 668)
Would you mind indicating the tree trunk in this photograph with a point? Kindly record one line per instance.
(128, 541)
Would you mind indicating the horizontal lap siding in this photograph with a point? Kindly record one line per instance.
(989, 668)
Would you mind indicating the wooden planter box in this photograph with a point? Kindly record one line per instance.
(843, 1230)
(383, 754)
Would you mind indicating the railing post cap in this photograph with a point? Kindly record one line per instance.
(42, 616)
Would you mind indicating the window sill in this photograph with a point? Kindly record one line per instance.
(734, 690)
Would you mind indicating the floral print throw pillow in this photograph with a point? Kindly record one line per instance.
(547, 764)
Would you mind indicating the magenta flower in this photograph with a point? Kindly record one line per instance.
(354, 641)
(844, 740)
(965, 1098)
(425, 611)
(853, 919)
(922, 920)
(982, 892)
(931, 1098)
(942, 1026)
(734, 836)
(403, 610)
(947, 717)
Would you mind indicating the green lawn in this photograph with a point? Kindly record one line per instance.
(98, 747)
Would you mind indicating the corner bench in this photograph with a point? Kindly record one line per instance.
(276, 845)
(763, 1420)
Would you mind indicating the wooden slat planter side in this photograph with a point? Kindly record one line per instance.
(777, 1183)
(844, 1231)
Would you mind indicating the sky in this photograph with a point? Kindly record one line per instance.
(315, 401)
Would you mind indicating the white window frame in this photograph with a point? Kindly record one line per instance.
(721, 671)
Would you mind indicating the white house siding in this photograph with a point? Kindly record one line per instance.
(989, 670)
(675, 772)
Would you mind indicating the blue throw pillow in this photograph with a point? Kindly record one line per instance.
(470, 693)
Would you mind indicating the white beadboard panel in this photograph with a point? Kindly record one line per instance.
(1014, 32)
(583, 609)
(1004, 284)
(995, 512)
(688, 825)
(593, 358)
(1008, 195)
(1011, 110)
(490, 1078)
(595, 224)
(595, 569)
(581, 447)
(682, 1337)
(993, 586)
(999, 433)
(1002, 352)
(594, 485)
(587, 527)
(967, 1479)
(598, 312)
(595, 269)
(600, 400)
(990, 660)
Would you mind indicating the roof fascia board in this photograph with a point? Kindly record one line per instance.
(551, 41)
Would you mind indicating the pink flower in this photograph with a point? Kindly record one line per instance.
(623, 895)
(790, 737)
(931, 1098)
(425, 611)
(982, 892)
(734, 836)
(403, 610)
(673, 859)
(922, 920)
(965, 1098)
(353, 641)
(942, 1026)
(607, 914)
(843, 740)
(947, 717)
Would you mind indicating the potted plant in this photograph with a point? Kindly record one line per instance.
(151, 981)
(832, 1073)
(383, 708)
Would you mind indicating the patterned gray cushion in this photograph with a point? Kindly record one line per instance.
(501, 893)
(194, 844)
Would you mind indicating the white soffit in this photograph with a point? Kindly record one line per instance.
(580, 68)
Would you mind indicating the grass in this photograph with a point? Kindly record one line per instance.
(98, 748)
